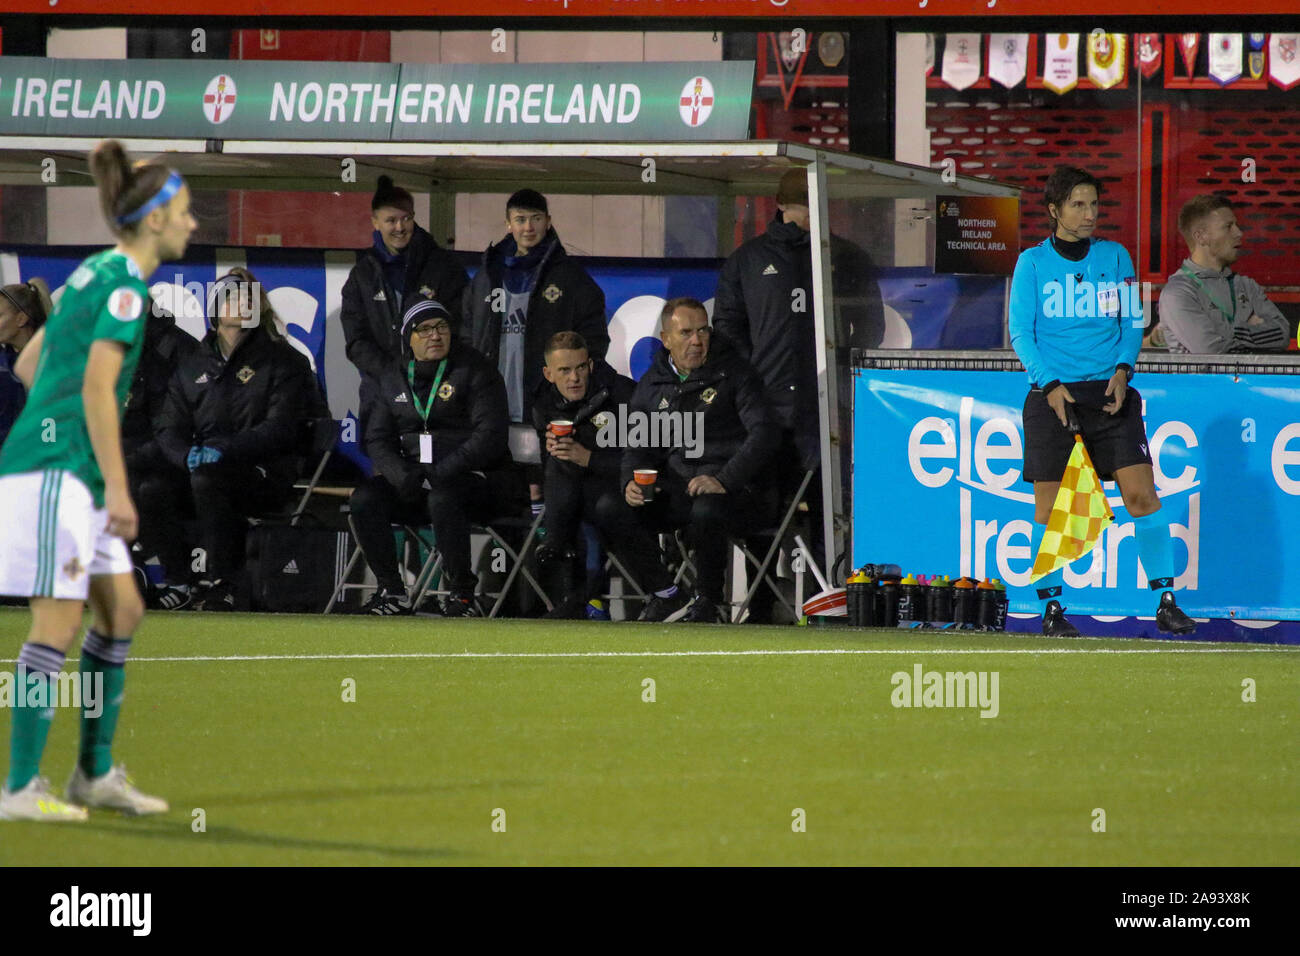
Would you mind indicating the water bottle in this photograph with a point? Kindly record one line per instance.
(963, 602)
(880, 571)
(940, 600)
(887, 601)
(910, 598)
(1000, 616)
(987, 606)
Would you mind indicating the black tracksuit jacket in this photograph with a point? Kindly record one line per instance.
(739, 433)
(469, 421)
(606, 392)
(564, 298)
(373, 327)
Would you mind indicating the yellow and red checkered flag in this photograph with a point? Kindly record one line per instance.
(1079, 515)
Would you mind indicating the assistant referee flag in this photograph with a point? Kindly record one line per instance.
(1080, 515)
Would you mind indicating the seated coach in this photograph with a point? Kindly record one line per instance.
(578, 467)
(699, 420)
(234, 421)
(438, 438)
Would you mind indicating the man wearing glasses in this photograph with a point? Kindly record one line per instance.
(437, 438)
(403, 263)
(699, 418)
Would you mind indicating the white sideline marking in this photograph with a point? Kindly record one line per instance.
(428, 655)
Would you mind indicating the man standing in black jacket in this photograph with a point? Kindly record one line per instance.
(438, 441)
(699, 418)
(578, 468)
(403, 262)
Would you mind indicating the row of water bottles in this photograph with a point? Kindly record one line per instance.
(880, 595)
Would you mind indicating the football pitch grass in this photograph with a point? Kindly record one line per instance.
(545, 728)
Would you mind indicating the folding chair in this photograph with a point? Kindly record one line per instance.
(344, 585)
(420, 590)
(640, 595)
(323, 434)
(778, 534)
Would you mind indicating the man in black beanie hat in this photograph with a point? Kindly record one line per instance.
(402, 264)
(437, 438)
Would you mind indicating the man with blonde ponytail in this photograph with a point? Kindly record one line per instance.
(62, 470)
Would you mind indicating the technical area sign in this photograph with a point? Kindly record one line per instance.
(241, 99)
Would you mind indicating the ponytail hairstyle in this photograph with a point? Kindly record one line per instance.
(241, 287)
(31, 298)
(127, 192)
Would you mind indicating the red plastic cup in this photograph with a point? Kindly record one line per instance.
(645, 479)
(561, 427)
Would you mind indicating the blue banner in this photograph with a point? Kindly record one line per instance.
(937, 489)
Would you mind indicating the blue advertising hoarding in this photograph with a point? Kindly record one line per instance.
(938, 489)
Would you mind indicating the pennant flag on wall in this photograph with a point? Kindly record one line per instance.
(1008, 58)
(961, 60)
(1147, 53)
(1255, 56)
(1187, 45)
(1079, 516)
(1225, 57)
(1061, 62)
(1107, 62)
(1284, 59)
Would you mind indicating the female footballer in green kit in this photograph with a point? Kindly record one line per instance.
(69, 513)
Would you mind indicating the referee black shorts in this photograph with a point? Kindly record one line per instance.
(1113, 441)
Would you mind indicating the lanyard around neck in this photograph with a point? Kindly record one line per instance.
(1228, 314)
(423, 412)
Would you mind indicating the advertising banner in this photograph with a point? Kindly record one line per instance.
(937, 489)
(237, 99)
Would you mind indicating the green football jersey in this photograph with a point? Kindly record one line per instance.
(105, 298)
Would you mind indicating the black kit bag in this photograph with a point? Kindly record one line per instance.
(295, 567)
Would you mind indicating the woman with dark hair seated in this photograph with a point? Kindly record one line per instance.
(233, 419)
(24, 306)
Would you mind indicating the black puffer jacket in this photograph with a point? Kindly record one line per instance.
(372, 326)
(754, 310)
(251, 406)
(564, 298)
(469, 421)
(166, 345)
(608, 397)
(739, 434)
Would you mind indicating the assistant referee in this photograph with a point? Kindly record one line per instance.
(1073, 327)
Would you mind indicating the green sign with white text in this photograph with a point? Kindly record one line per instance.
(235, 99)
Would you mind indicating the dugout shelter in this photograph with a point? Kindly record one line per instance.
(887, 208)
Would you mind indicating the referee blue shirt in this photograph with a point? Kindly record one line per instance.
(1075, 321)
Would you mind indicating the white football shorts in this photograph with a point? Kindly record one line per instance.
(52, 537)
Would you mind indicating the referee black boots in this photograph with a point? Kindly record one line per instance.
(1170, 617)
(1055, 623)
